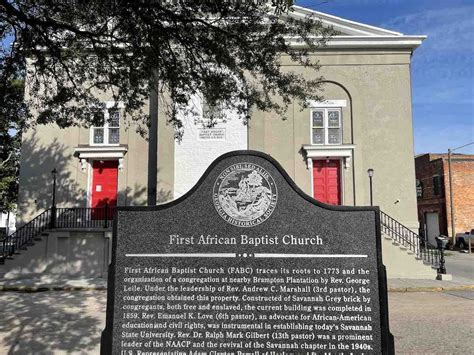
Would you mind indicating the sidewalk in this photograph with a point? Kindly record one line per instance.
(52, 283)
(415, 285)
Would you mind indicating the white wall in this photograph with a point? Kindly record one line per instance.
(11, 222)
(200, 146)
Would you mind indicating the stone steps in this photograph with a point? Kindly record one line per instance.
(412, 263)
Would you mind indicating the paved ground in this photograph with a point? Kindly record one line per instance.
(461, 266)
(53, 322)
(70, 322)
(432, 322)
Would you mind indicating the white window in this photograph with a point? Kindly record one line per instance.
(217, 112)
(107, 129)
(326, 126)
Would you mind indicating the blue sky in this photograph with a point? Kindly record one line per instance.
(442, 68)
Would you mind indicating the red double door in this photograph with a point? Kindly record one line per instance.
(104, 185)
(327, 181)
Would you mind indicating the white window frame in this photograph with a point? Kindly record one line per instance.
(108, 106)
(326, 127)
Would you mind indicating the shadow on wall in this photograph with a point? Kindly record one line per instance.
(137, 196)
(36, 182)
(133, 196)
(163, 196)
(66, 253)
(51, 322)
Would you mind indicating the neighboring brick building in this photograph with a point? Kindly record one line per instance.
(434, 207)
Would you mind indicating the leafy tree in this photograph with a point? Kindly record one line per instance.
(71, 52)
(227, 51)
(12, 115)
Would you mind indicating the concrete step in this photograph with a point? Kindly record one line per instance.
(402, 262)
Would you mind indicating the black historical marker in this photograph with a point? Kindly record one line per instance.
(246, 263)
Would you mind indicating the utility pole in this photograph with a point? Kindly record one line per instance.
(451, 193)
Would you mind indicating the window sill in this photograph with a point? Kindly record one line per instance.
(103, 145)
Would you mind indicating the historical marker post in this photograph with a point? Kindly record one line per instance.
(246, 263)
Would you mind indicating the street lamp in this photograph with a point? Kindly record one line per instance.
(54, 173)
(370, 172)
(451, 194)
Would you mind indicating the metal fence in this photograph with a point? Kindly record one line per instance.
(55, 218)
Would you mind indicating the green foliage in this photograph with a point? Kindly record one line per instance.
(226, 51)
(12, 117)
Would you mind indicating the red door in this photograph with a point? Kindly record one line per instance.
(104, 184)
(327, 181)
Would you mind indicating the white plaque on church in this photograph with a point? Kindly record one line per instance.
(211, 134)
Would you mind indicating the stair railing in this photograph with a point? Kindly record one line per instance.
(55, 218)
(24, 235)
(420, 247)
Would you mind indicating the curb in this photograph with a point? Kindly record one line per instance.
(430, 288)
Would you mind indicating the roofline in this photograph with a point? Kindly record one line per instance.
(444, 156)
(407, 42)
(352, 27)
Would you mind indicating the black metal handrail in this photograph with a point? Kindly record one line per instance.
(420, 247)
(83, 217)
(55, 218)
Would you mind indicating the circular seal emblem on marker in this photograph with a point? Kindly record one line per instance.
(245, 194)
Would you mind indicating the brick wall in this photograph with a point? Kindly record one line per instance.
(462, 168)
(427, 166)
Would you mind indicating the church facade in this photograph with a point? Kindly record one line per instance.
(365, 122)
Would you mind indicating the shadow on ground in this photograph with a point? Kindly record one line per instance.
(52, 322)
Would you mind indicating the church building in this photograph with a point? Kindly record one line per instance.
(354, 147)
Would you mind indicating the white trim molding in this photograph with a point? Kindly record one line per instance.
(352, 34)
(86, 153)
(379, 42)
(113, 104)
(327, 103)
(328, 152)
(341, 24)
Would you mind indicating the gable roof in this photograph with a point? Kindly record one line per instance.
(358, 35)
